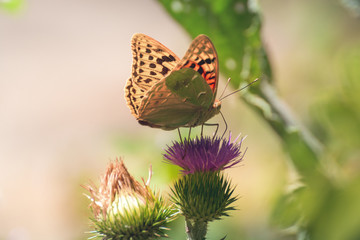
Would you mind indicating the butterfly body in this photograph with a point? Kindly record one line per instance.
(166, 92)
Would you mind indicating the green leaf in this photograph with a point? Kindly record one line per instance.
(341, 218)
(287, 209)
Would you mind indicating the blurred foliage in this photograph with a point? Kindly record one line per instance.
(339, 114)
(324, 203)
(11, 5)
(353, 6)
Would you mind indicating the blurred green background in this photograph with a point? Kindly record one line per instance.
(63, 66)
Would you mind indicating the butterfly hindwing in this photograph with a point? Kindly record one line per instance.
(164, 109)
(190, 86)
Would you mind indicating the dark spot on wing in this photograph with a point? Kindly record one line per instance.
(164, 71)
(171, 57)
(159, 61)
(166, 59)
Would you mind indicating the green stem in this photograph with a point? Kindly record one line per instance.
(195, 230)
(304, 148)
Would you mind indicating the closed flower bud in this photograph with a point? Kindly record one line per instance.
(123, 208)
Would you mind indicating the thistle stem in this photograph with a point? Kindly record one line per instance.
(195, 230)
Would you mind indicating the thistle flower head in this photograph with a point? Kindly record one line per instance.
(204, 154)
(123, 208)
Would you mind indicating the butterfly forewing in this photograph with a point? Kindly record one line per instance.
(152, 61)
(202, 57)
(133, 96)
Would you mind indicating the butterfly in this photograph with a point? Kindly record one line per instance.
(167, 92)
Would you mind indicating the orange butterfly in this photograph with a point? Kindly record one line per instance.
(167, 92)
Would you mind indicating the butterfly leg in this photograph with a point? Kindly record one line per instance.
(202, 130)
(184, 142)
(217, 128)
(213, 124)
(226, 125)
(180, 136)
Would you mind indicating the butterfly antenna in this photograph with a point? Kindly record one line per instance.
(226, 125)
(239, 89)
(225, 88)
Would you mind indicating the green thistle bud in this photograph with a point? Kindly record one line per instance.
(203, 196)
(125, 209)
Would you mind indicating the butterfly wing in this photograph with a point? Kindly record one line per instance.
(181, 99)
(152, 61)
(166, 92)
(202, 57)
(190, 86)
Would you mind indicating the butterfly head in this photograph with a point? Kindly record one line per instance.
(214, 109)
(217, 104)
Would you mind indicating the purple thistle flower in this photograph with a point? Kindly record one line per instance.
(204, 154)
